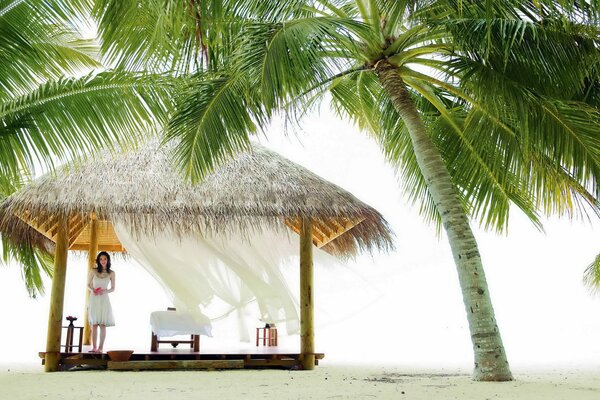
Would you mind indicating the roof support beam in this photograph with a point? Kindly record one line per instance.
(307, 331)
(76, 227)
(57, 296)
(92, 251)
(341, 229)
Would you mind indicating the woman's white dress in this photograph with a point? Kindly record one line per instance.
(99, 309)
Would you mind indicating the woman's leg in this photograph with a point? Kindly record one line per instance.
(102, 337)
(94, 337)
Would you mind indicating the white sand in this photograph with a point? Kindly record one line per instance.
(325, 382)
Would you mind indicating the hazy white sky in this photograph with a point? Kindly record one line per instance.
(400, 308)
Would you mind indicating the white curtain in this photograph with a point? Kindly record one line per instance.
(221, 276)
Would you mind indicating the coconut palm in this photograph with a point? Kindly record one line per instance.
(479, 105)
(57, 103)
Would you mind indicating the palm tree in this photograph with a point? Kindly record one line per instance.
(57, 103)
(479, 105)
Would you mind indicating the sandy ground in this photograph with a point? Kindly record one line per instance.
(325, 382)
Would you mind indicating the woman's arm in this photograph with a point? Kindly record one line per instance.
(90, 284)
(112, 282)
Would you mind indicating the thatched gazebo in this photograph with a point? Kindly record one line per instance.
(75, 208)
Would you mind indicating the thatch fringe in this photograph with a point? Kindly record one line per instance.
(18, 232)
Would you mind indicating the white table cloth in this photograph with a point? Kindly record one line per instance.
(172, 323)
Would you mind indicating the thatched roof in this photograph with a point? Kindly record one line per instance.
(256, 189)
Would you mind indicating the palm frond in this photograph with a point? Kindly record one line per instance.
(574, 10)
(482, 176)
(356, 97)
(538, 10)
(213, 119)
(359, 97)
(258, 10)
(74, 116)
(34, 262)
(298, 55)
(305, 103)
(591, 276)
(393, 15)
(552, 60)
(37, 44)
(181, 37)
(545, 128)
(147, 34)
(398, 149)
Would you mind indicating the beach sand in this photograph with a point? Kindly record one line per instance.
(325, 382)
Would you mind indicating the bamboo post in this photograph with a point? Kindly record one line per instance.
(307, 333)
(57, 296)
(92, 252)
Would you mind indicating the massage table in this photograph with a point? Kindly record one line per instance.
(166, 324)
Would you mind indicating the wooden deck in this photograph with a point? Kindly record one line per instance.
(180, 359)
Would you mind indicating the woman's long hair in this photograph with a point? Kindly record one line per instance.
(99, 266)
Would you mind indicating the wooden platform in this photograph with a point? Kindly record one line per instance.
(180, 360)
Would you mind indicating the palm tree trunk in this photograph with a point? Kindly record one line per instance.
(491, 363)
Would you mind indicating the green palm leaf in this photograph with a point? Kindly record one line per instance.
(155, 35)
(591, 276)
(35, 261)
(212, 123)
(73, 116)
(37, 45)
(304, 52)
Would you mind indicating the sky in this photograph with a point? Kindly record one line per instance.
(401, 308)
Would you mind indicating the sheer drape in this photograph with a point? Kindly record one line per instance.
(220, 276)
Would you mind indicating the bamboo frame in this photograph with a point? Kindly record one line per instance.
(307, 332)
(325, 230)
(57, 296)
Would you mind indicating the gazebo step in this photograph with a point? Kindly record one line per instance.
(265, 363)
(175, 364)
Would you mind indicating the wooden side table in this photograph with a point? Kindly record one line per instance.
(69, 346)
(268, 336)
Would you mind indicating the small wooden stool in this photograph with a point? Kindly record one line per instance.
(69, 346)
(268, 336)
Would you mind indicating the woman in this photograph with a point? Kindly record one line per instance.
(99, 309)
